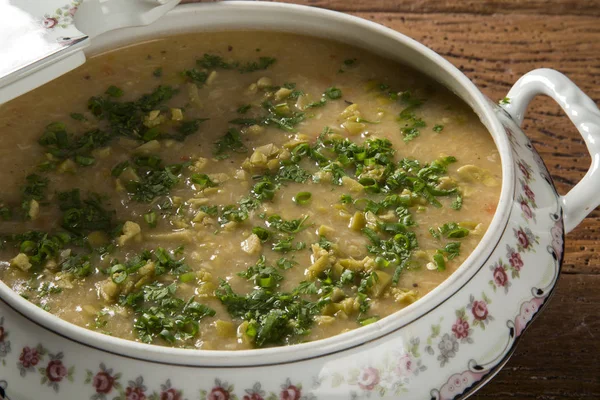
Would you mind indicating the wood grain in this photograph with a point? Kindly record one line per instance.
(550, 7)
(494, 42)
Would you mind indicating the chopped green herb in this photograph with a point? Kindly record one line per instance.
(195, 76)
(263, 275)
(262, 233)
(457, 203)
(291, 226)
(85, 161)
(273, 317)
(114, 91)
(158, 72)
(211, 61)
(302, 198)
(292, 173)
(286, 263)
(81, 217)
(160, 314)
(452, 230)
(119, 168)
(346, 199)
(333, 93)
(244, 109)
(210, 210)
(438, 128)
(202, 180)
(155, 179)
(252, 66)
(151, 219)
(77, 116)
(231, 141)
(187, 128)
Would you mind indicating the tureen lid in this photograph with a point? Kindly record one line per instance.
(43, 39)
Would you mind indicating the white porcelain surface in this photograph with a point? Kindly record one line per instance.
(441, 347)
(39, 39)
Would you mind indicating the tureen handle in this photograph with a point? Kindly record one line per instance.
(584, 113)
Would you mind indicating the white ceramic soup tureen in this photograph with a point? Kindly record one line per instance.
(444, 346)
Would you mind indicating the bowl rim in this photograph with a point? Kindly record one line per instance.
(338, 343)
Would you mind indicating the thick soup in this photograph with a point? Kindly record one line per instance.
(239, 190)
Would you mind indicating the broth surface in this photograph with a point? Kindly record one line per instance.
(264, 193)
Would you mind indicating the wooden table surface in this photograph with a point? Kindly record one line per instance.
(494, 42)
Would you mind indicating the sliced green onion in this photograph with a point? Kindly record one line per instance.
(302, 198)
(27, 246)
(262, 233)
(368, 321)
(85, 161)
(439, 262)
(118, 273)
(187, 277)
(265, 282)
(151, 134)
(151, 218)
(119, 168)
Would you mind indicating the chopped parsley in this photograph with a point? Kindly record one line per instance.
(451, 230)
(114, 91)
(81, 217)
(244, 109)
(155, 180)
(252, 66)
(77, 116)
(231, 141)
(274, 318)
(457, 203)
(161, 314)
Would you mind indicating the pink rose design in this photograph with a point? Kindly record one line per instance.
(49, 23)
(173, 394)
(526, 209)
(515, 261)
(290, 393)
(479, 310)
(29, 357)
(135, 393)
(253, 396)
(522, 238)
(405, 365)
(524, 170)
(103, 382)
(56, 371)
(460, 328)
(217, 393)
(528, 192)
(500, 277)
(72, 11)
(368, 378)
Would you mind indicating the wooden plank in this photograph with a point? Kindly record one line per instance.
(559, 355)
(535, 7)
